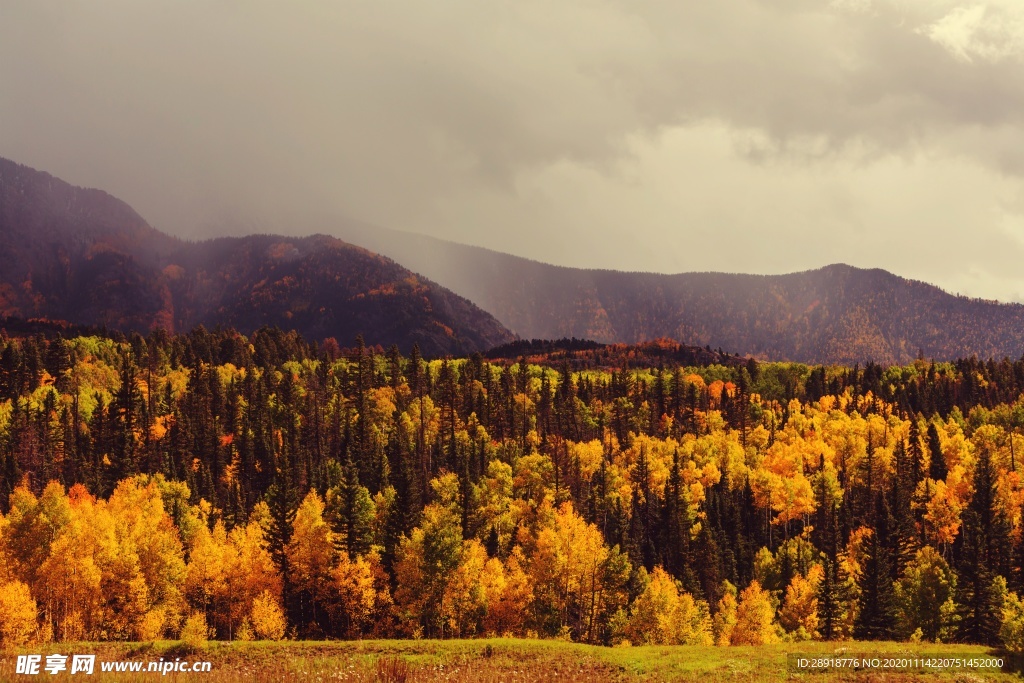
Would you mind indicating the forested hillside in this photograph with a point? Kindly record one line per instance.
(836, 314)
(82, 256)
(264, 486)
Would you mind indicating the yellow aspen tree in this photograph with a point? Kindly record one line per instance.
(92, 584)
(577, 578)
(123, 597)
(650, 617)
(142, 523)
(664, 615)
(249, 571)
(351, 596)
(411, 595)
(31, 527)
(310, 555)
(463, 601)
(206, 577)
(382, 618)
(943, 508)
(426, 559)
(69, 583)
(17, 614)
(496, 509)
(599, 572)
(725, 615)
(779, 484)
(137, 506)
(799, 612)
(533, 478)
(267, 618)
(126, 593)
(692, 622)
(493, 582)
(1011, 629)
(925, 597)
(194, 632)
(509, 594)
(755, 617)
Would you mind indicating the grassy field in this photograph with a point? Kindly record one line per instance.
(493, 660)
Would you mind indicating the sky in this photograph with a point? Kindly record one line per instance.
(762, 136)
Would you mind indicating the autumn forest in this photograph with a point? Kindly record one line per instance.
(263, 487)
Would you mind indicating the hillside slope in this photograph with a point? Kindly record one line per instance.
(836, 314)
(82, 256)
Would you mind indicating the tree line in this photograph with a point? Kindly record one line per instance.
(265, 487)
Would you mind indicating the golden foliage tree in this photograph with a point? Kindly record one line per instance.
(351, 595)
(17, 614)
(464, 600)
(267, 617)
(311, 554)
(577, 579)
(509, 594)
(755, 617)
(725, 615)
(1011, 629)
(799, 612)
(664, 615)
(249, 572)
(924, 597)
(195, 633)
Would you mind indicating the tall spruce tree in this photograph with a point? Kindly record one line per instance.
(876, 619)
(983, 540)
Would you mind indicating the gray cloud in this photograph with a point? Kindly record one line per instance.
(757, 135)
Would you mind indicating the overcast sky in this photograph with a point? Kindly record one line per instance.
(739, 135)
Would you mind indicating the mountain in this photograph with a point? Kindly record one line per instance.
(82, 256)
(836, 314)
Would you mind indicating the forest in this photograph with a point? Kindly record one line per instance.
(264, 487)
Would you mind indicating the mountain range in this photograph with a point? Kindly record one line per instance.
(836, 314)
(84, 257)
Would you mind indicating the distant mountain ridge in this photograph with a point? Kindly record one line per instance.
(85, 257)
(836, 314)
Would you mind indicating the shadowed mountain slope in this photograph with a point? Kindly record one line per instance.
(82, 256)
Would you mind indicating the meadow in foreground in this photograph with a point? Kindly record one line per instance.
(493, 660)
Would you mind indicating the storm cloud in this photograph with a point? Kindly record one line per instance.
(739, 135)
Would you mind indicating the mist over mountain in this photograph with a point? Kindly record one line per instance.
(82, 256)
(836, 314)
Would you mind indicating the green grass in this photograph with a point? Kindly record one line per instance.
(493, 660)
